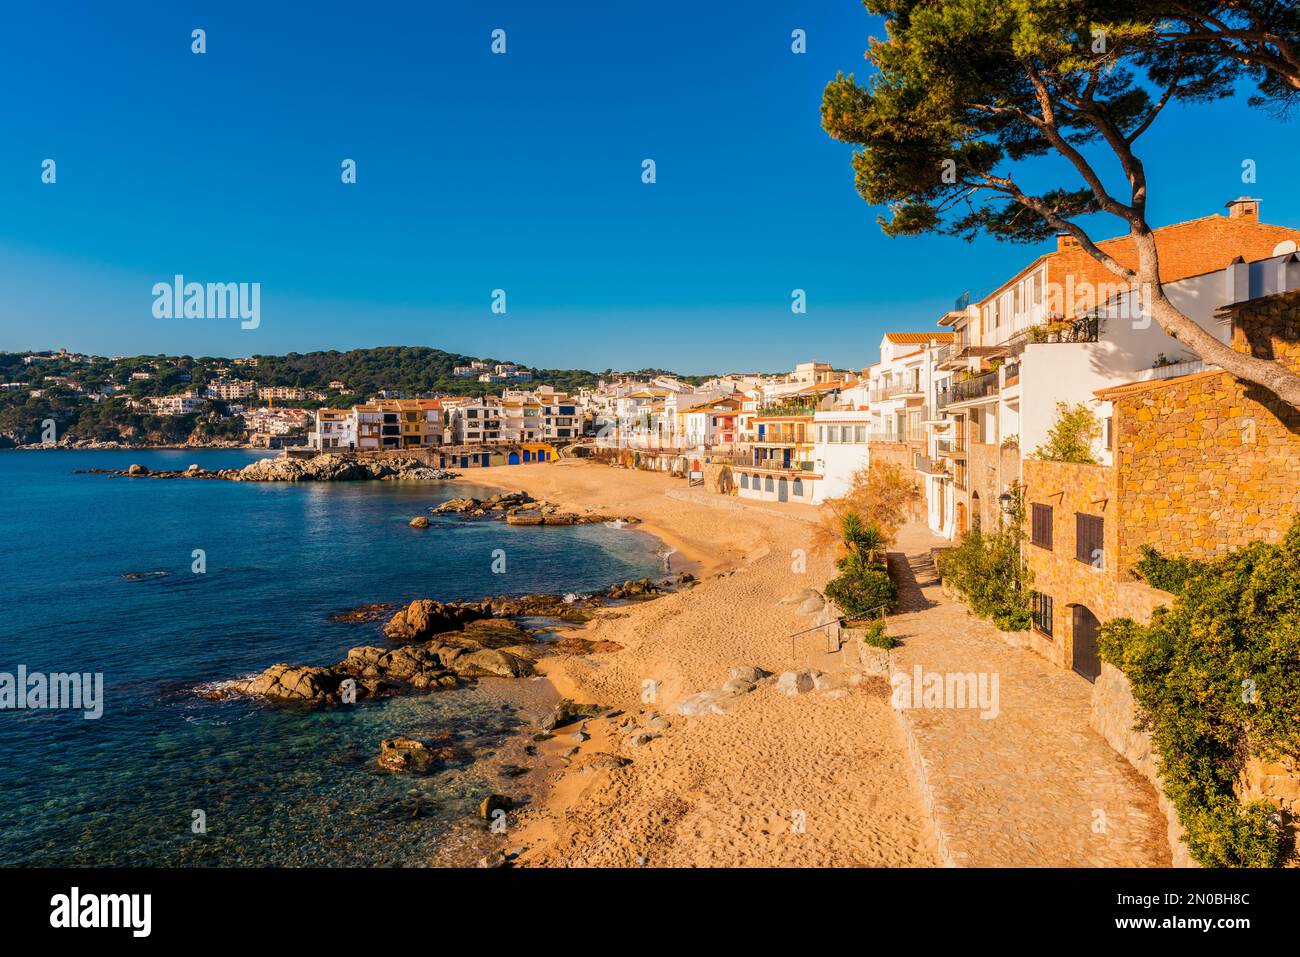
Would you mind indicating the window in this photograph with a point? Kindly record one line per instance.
(798, 487)
(744, 480)
(1042, 613)
(860, 434)
(821, 434)
(1040, 523)
(1089, 540)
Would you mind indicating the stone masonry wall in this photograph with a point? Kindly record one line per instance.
(1206, 463)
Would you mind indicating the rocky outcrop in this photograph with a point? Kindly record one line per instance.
(424, 618)
(520, 508)
(289, 683)
(419, 522)
(327, 467)
(405, 755)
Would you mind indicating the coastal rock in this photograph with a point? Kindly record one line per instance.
(633, 588)
(290, 683)
(829, 682)
(423, 618)
(601, 761)
(419, 522)
(795, 682)
(800, 596)
(705, 702)
(751, 673)
(137, 470)
(489, 661)
(814, 604)
(525, 518)
(363, 613)
(576, 645)
(410, 755)
(567, 712)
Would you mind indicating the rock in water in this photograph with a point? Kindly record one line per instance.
(424, 618)
(419, 522)
(137, 470)
(405, 755)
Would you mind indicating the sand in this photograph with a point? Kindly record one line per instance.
(812, 780)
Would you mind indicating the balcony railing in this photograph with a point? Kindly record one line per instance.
(976, 387)
(1087, 329)
(778, 409)
(955, 446)
(1010, 374)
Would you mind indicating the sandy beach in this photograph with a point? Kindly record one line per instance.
(812, 780)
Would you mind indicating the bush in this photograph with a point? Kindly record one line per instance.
(985, 569)
(876, 637)
(862, 592)
(1167, 574)
(1216, 681)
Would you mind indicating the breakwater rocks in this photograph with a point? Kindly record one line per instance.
(320, 468)
(520, 508)
(441, 645)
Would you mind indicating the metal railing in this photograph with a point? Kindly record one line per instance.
(976, 387)
(1087, 329)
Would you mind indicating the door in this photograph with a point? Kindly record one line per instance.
(783, 490)
(514, 458)
(1087, 660)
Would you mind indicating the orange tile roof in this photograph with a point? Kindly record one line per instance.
(917, 338)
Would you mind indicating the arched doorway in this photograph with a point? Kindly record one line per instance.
(783, 490)
(513, 459)
(961, 518)
(1086, 659)
(976, 515)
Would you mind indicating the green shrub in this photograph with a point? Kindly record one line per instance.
(1217, 678)
(862, 592)
(985, 568)
(1167, 574)
(876, 637)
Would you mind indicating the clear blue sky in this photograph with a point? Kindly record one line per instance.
(478, 171)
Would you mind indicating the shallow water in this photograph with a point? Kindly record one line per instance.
(276, 785)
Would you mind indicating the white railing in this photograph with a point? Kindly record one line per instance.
(1174, 370)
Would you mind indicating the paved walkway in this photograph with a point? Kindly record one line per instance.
(1034, 785)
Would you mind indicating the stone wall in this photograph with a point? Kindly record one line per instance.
(1114, 716)
(1206, 463)
(1068, 489)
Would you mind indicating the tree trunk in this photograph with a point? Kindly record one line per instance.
(1272, 375)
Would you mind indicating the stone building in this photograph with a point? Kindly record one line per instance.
(1203, 464)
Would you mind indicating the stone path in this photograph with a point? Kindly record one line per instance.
(1033, 786)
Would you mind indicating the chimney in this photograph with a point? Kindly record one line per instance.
(1243, 207)
(1065, 241)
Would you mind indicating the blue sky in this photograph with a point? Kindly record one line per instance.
(477, 172)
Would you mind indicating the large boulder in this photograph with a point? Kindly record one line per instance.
(407, 755)
(424, 618)
(291, 683)
(706, 702)
(795, 682)
(490, 661)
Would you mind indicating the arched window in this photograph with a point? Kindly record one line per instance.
(798, 488)
(744, 480)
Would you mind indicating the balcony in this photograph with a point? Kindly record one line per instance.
(967, 390)
(896, 390)
(928, 466)
(1087, 329)
(949, 448)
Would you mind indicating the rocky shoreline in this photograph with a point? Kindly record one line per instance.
(520, 508)
(320, 468)
(439, 645)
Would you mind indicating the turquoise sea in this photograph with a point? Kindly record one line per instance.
(97, 574)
